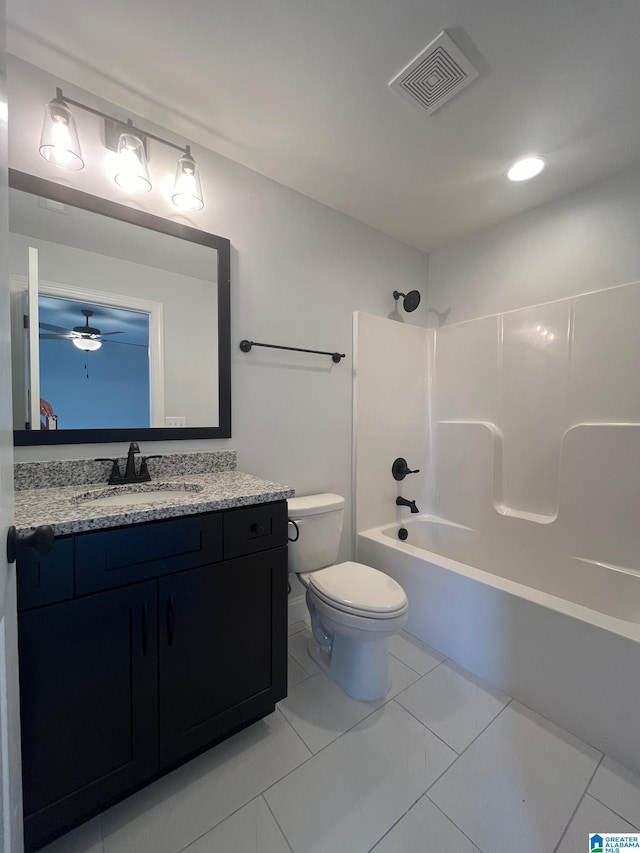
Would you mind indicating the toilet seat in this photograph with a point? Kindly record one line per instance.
(358, 589)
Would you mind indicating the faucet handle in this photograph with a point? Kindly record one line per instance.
(115, 475)
(400, 469)
(144, 469)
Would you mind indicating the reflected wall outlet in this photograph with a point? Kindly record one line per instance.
(175, 422)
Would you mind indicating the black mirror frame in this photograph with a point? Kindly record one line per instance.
(58, 192)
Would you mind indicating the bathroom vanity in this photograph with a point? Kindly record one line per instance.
(146, 635)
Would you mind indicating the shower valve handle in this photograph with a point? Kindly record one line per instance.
(400, 469)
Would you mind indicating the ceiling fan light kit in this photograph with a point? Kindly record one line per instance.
(86, 338)
(60, 145)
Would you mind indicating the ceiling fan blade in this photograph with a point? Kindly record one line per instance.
(104, 334)
(51, 328)
(55, 337)
(125, 344)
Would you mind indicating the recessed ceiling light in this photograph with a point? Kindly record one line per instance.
(525, 168)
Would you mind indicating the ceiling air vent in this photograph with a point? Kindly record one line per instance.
(437, 73)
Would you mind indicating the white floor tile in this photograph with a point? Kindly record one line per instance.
(298, 651)
(320, 711)
(618, 788)
(453, 703)
(295, 673)
(347, 796)
(423, 828)
(591, 816)
(295, 627)
(177, 809)
(415, 654)
(252, 829)
(85, 839)
(515, 787)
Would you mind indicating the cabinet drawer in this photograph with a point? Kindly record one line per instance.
(127, 554)
(254, 528)
(45, 580)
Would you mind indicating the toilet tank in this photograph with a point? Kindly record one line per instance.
(319, 519)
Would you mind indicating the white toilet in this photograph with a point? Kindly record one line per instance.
(353, 607)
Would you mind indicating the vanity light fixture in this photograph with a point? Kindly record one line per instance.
(59, 144)
(526, 168)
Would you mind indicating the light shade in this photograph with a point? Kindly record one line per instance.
(87, 344)
(132, 172)
(525, 168)
(187, 190)
(59, 142)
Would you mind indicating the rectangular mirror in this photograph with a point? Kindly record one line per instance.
(120, 321)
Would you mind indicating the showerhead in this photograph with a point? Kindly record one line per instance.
(411, 300)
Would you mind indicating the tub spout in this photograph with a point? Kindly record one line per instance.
(404, 502)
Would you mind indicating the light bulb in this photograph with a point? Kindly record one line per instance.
(132, 173)
(59, 142)
(187, 191)
(87, 344)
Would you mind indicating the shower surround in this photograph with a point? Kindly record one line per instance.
(525, 565)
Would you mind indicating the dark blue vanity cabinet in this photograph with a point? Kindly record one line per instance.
(141, 646)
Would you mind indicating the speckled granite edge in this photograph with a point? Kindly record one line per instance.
(80, 472)
(63, 509)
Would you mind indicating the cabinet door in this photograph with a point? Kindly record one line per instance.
(222, 639)
(88, 692)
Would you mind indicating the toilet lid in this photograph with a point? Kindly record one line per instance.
(359, 588)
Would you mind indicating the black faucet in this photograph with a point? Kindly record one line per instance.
(129, 476)
(404, 502)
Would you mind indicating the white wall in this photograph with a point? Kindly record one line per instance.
(390, 407)
(299, 270)
(587, 240)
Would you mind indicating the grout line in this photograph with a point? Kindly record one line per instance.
(395, 823)
(617, 814)
(421, 674)
(483, 731)
(424, 726)
(277, 823)
(313, 754)
(373, 710)
(289, 723)
(580, 800)
(475, 844)
(216, 825)
(306, 674)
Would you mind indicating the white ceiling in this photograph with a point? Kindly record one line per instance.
(298, 91)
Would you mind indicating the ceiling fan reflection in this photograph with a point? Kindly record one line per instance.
(86, 338)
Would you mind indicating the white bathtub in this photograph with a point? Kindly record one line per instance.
(563, 638)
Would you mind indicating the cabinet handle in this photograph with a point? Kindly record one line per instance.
(145, 629)
(257, 529)
(170, 620)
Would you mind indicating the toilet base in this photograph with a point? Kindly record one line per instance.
(360, 668)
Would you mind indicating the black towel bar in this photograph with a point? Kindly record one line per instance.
(245, 346)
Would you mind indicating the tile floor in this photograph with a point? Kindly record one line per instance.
(444, 763)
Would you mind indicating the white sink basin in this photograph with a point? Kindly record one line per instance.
(145, 493)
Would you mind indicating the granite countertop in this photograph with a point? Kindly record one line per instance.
(68, 509)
